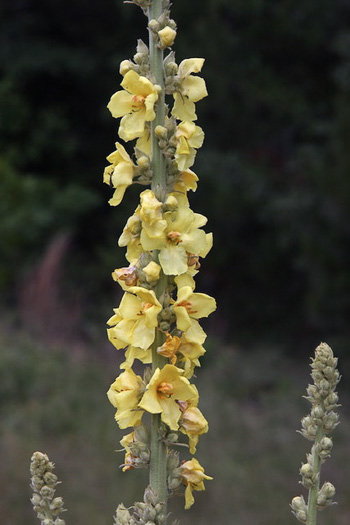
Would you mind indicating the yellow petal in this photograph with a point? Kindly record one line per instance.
(194, 88)
(137, 84)
(197, 138)
(190, 65)
(120, 104)
(132, 353)
(173, 260)
(189, 499)
(149, 104)
(144, 142)
(183, 108)
(195, 333)
(132, 125)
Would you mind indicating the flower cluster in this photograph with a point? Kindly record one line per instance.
(157, 321)
(317, 427)
(44, 483)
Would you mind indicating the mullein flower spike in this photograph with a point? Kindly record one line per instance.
(157, 321)
(44, 483)
(316, 427)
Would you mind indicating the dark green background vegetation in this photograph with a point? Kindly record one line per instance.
(274, 170)
(274, 183)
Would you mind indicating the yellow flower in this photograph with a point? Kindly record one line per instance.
(152, 271)
(126, 443)
(125, 394)
(135, 104)
(189, 137)
(188, 356)
(135, 320)
(119, 173)
(126, 276)
(193, 424)
(175, 235)
(132, 353)
(189, 89)
(131, 237)
(187, 180)
(193, 477)
(151, 214)
(166, 387)
(167, 36)
(170, 348)
(189, 307)
(144, 142)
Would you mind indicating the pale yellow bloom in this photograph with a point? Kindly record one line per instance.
(193, 477)
(193, 424)
(187, 180)
(153, 224)
(175, 235)
(144, 142)
(166, 387)
(125, 66)
(189, 307)
(125, 394)
(188, 356)
(135, 320)
(189, 137)
(170, 348)
(167, 36)
(131, 237)
(135, 104)
(119, 173)
(152, 271)
(189, 89)
(129, 459)
(126, 277)
(132, 353)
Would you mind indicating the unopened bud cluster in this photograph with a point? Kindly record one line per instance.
(44, 483)
(148, 512)
(316, 427)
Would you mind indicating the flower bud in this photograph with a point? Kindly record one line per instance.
(167, 36)
(325, 495)
(153, 25)
(125, 66)
(299, 508)
(161, 132)
(143, 162)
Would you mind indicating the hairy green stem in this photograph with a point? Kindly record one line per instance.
(313, 492)
(158, 460)
(156, 62)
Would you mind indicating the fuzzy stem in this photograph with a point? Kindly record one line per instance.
(156, 62)
(158, 460)
(313, 492)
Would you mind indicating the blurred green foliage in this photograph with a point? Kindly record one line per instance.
(274, 172)
(54, 400)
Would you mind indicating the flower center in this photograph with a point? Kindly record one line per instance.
(174, 237)
(137, 102)
(144, 306)
(193, 260)
(165, 390)
(188, 305)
